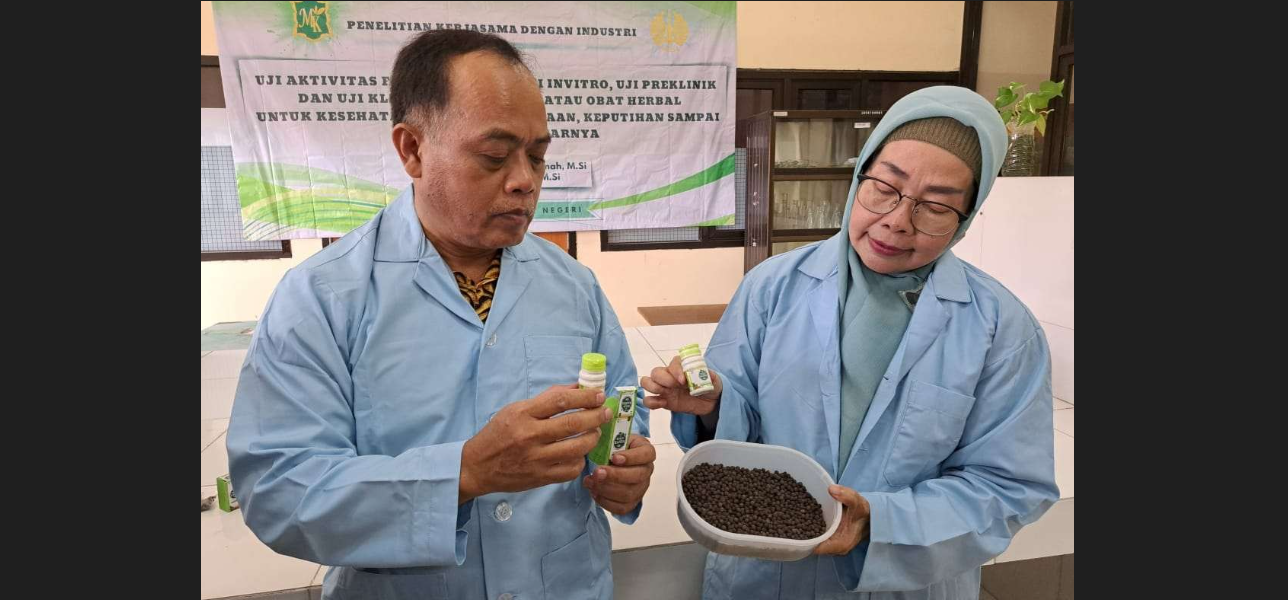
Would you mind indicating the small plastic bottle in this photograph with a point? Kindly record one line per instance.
(593, 374)
(695, 370)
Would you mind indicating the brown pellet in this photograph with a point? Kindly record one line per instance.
(753, 501)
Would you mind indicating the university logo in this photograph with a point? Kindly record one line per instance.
(312, 20)
(669, 31)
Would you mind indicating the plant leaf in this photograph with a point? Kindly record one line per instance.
(1051, 89)
(1027, 103)
(1004, 97)
(1039, 101)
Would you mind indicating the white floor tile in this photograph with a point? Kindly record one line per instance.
(641, 352)
(1064, 464)
(211, 429)
(671, 572)
(222, 364)
(635, 339)
(1060, 339)
(675, 336)
(235, 563)
(657, 524)
(645, 362)
(659, 424)
(1064, 421)
(217, 398)
(1051, 535)
(214, 461)
(666, 355)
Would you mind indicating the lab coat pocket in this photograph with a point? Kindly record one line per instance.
(929, 427)
(553, 360)
(578, 569)
(391, 584)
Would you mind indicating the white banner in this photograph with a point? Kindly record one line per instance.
(640, 101)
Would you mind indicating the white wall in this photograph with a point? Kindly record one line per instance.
(878, 36)
(1024, 238)
(208, 45)
(638, 278)
(237, 290)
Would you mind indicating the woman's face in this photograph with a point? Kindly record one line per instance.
(889, 243)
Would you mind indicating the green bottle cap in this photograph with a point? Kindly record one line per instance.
(690, 350)
(594, 362)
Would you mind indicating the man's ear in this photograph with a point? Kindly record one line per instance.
(407, 141)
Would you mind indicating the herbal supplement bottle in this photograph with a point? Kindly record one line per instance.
(593, 375)
(695, 370)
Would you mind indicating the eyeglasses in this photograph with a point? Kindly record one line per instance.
(930, 218)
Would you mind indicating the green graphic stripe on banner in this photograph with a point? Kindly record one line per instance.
(715, 172)
(277, 198)
(251, 190)
(357, 198)
(725, 220)
(262, 230)
(289, 213)
(311, 216)
(270, 179)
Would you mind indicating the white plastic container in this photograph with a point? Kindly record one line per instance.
(756, 456)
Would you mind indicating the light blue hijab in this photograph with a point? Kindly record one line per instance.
(875, 309)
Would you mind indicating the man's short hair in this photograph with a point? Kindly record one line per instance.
(421, 84)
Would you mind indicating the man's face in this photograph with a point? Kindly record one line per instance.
(890, 243)
(477, 171)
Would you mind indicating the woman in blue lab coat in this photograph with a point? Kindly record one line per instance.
(918, 381)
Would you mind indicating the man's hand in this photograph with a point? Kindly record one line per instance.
(526, 446)
(620, 486)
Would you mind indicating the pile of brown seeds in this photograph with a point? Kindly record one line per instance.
(753, 501)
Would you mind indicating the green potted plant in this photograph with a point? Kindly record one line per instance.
(1022, 115)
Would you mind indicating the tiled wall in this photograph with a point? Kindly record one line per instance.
(1024, 238)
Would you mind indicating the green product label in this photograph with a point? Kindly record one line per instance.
(604, 447)
(698, 378)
